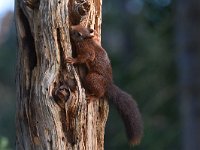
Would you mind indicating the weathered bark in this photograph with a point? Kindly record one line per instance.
(52, 111)
(188, 45)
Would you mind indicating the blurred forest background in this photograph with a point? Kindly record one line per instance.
(154, 46)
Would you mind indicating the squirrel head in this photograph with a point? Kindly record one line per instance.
(79, 33)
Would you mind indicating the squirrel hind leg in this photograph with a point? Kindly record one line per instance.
(95, 84)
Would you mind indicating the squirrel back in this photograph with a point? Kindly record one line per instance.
(87, 45)
(98, 80)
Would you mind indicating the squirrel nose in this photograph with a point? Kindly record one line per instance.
(71, 28)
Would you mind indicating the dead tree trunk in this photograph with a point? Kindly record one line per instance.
(52, 111)
(188, 44)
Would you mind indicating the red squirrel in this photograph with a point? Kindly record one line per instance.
(99, 83)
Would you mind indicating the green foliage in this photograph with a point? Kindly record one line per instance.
(7, 89)
(4, 144)
(144, 65)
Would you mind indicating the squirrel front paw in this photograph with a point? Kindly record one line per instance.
(90, 97)
(71, 60)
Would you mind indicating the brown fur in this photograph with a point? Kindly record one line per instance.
(98, 80)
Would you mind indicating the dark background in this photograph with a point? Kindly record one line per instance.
(142, 38)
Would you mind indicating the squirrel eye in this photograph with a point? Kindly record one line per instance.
(79, 34)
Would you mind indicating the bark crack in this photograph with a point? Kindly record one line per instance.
(28, 43)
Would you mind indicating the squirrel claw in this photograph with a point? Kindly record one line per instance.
(70, 60)
(90, 98)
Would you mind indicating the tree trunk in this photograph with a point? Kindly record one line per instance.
(188, 44)
(52, 111)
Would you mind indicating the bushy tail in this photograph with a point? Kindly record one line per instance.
(127, 108)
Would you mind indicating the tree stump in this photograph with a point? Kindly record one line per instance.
(52, 111)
